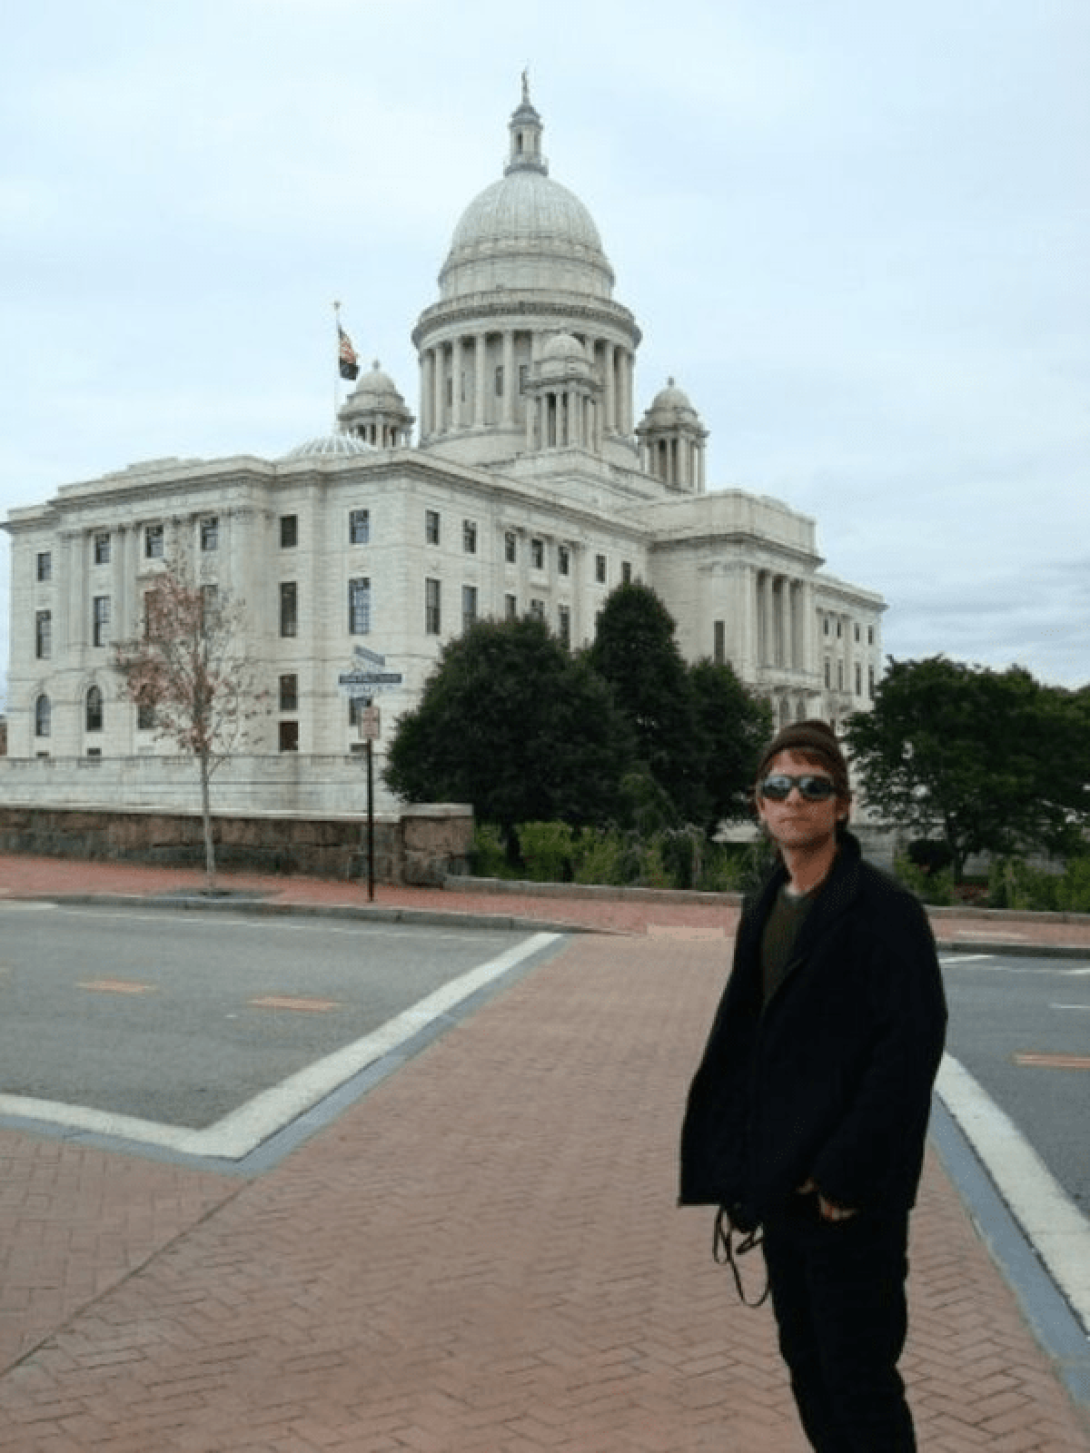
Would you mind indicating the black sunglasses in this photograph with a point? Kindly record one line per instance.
(777, 787)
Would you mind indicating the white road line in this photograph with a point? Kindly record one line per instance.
(1052, 1222)
(245, 1128)
(1069, 1006)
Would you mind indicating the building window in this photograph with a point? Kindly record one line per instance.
(537, 610)
(102, 547)
(359, 527)
(719, 642)
(825, 623)
(857, 637)
(870, 635)
(210, 603)
(100, 620)
(626, 572)
(840, 675)
(431, 527)
(289, 608)
(45, 565)
(499, 382)
(210, 533)
(524, 377)
(858, 679)
(93, 706)
(839, 629)
(469, 606)
(289, 693)
(432, 611)
(564, 624)
(43, 634)
(510, 547)
(563, 560)
(870, 682)
(43, 716)
(469, 537)
(153, 542)
(510, 607)
(600, 569)
(145, 717)
(289, 532)
(359, 606)
(537, 554)
(828, 672)
(289, 736)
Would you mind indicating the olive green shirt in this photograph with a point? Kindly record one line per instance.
(778, 938)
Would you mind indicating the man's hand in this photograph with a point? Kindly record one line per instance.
(830, 1211)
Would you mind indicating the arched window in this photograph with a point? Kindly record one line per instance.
(94, 709)
(43, 716)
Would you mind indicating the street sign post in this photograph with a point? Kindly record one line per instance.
(366, 683)
(361, 685)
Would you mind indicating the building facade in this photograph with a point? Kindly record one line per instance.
(532, 487)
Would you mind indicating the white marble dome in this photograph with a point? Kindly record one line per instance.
(526, 232)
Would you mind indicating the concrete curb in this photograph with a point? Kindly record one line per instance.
(258, 907)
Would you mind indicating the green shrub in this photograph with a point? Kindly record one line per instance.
(721, 869)
(488, 856)
(933, 855)
(602, 856)
(933, 887)
(546, 849)
(1014, 883)
(1072, 890)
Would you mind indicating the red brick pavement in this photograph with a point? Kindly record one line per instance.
(483, 1254)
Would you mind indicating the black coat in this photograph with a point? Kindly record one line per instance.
(832, 1080)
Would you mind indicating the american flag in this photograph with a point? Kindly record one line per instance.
(346, 355)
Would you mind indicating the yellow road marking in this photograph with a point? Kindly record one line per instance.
(309, 1006)
(116, 986)
(1054, 1061)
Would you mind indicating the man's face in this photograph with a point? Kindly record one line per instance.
(797, 823)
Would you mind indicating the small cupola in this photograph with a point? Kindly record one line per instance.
(672, 438)
(525, 128)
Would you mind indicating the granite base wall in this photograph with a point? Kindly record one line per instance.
(422, 844)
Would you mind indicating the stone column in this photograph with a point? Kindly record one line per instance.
(427, 391)
(508, 413)
(767, 618)
(457, 359)
(479, 358)
(438, 422)
(610, 373)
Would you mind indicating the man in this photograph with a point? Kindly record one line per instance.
(808, 1114)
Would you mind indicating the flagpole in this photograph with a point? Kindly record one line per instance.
(337, 364)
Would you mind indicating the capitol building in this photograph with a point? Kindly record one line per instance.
(531, 480)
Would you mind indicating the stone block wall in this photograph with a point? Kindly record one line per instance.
(421, 845)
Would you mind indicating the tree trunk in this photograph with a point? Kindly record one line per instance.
(206, 818)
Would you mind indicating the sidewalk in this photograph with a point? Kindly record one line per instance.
(482, 1255)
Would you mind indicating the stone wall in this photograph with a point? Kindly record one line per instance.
(422, 844)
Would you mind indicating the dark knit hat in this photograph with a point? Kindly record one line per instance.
(812, 739)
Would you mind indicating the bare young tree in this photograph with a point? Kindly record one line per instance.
(190, 676)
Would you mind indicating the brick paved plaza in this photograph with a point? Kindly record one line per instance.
(482, 1254)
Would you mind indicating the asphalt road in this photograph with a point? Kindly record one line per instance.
(1003, 1008)
(179, 1018)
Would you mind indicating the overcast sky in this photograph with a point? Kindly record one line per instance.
(856, 233)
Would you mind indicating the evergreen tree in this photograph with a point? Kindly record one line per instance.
(736, 725)
(511, 722)
(635, 651)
